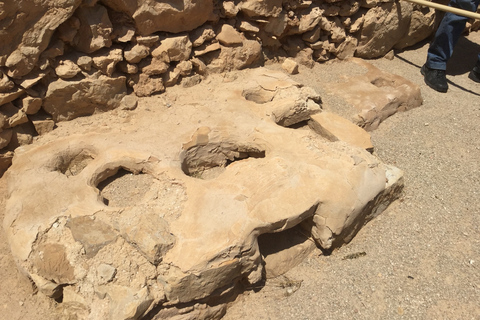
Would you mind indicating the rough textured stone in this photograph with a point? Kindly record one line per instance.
(290, 66)
(66, 100)
(145, 85)
(173, 49)
(228, 36)
(67, 69)
(382, 28)
(150, 17)
(95, 29)
(376, 95)
(30, 105)
(29, 26)
(106, 60)
(5, 137)
(188, 186)
(136, 54)
(336, 128)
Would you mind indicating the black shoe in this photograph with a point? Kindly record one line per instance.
(475, 73)
(435, 79)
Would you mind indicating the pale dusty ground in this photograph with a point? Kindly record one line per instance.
(422, 255)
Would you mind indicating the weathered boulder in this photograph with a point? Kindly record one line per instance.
(66, 100)
(95, 29)
(421, 26)
(175, 16)
(201, 194)
(382, 28)
(173, 49)
(376, 94)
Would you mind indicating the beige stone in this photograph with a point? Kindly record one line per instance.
(261, 8)
(145, 85)
(201, 35)
(188, 187)
(173, 49)
(28, 31)
(336, 128)
(383, 27)
(30, 105)
(67, 69)
(376, 95)
(95, 29)
(136, 53)
(290, 66)
(106, 60)
(43, 126)
(66, 100)
(228, 36)
(5, 161)
(154, 67)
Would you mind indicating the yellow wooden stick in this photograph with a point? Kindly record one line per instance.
(460, 12)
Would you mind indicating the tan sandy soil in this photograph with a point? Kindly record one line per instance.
(418, 260)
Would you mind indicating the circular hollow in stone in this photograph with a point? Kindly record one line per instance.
(210, 160)
(73, 162)
(124, 188)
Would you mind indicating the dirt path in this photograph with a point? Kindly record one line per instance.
(422, 256)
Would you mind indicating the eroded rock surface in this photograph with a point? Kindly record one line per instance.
(121, 222)
(376, 95)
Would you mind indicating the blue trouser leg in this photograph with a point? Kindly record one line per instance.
(448, 33)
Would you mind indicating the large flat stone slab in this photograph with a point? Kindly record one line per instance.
(161, 210)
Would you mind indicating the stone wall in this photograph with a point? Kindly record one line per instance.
(63, 59)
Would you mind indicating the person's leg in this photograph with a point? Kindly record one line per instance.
(447, 35)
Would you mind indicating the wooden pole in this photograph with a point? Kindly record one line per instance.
(441, 7)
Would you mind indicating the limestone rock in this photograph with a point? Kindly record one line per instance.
(66, 100)
(184, 68)
(290, 66)
(148, 41)
(201, 35)
(5, 161)
(261, 8)
(188, 186)
(154, 67)
(421, 26)
(22, 134)
(129, 102)
(173, 49)
(5, 137)
(237, 58)
(248, 26)
(43, 126)
(289, 112)
(383, 27)
(376, 95)
(228, 36)
(95, 29)
(150, 17)
(347, 48)
(137, 53)
(30, 105)
(230, 9)
(28, 30)
(14, 116)
(145, 85)
(106, 60)
(6, 84)
(335, 128)
(85, 62)
(67, 69)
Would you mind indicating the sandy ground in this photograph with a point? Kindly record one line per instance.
(420, 259)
